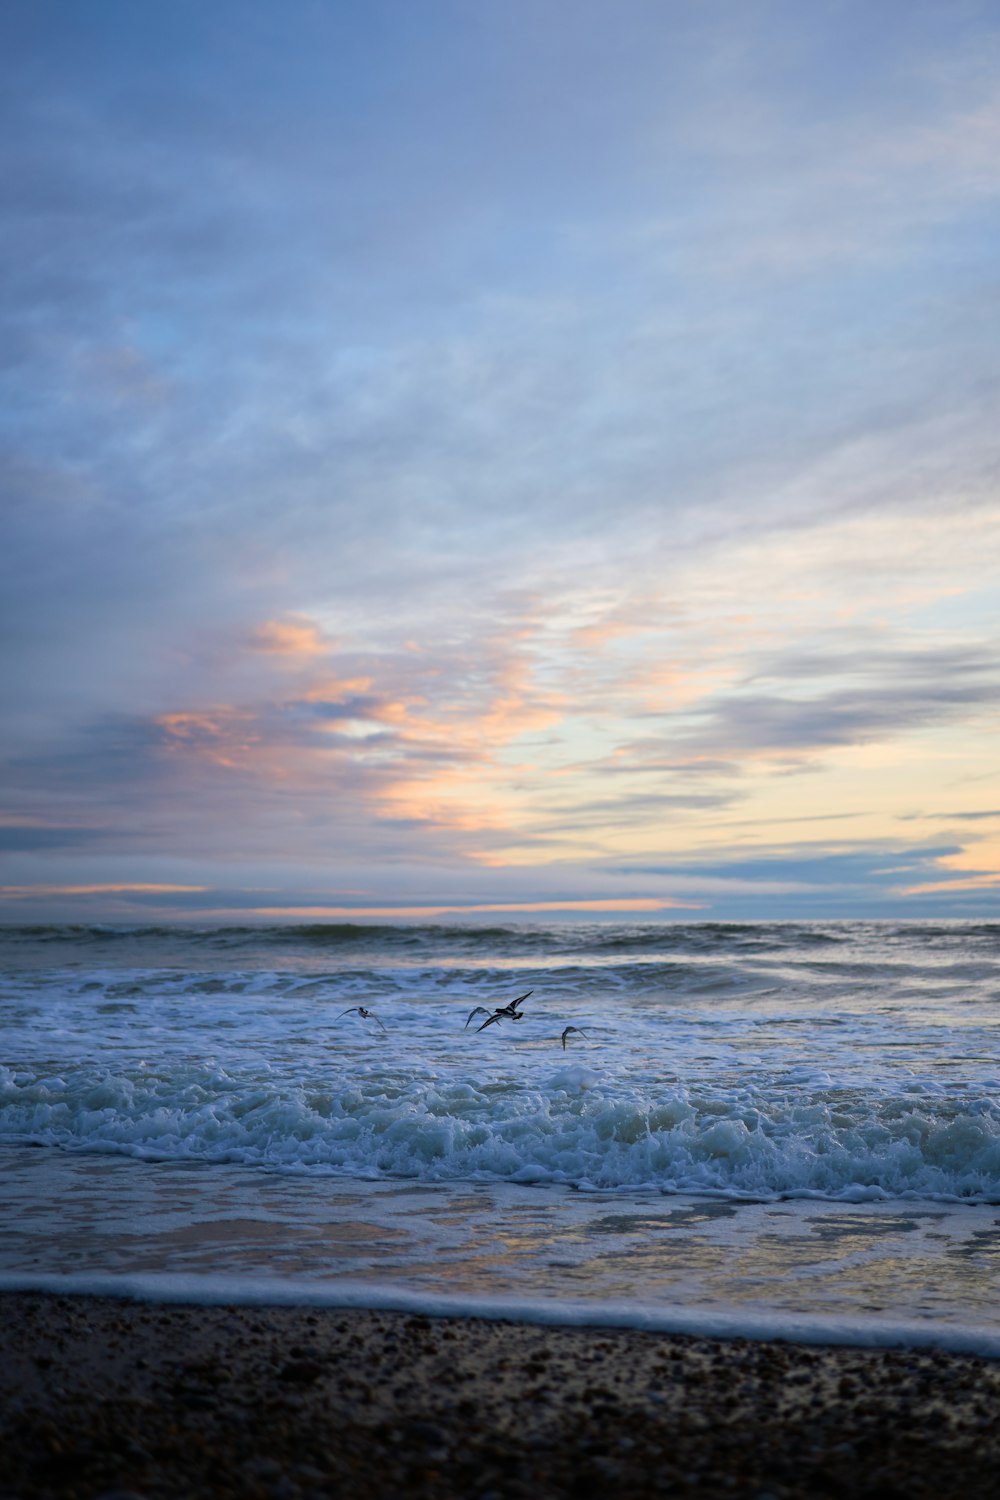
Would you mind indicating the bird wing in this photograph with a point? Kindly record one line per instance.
(349, 1011)
(480, 1010)
(510, 1009)
(496, 1016)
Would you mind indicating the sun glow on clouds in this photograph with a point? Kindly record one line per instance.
(599, 730)
(976, 868)
(296, 638)
(590, 733)
(658, 534)
(622, 753)
(623, 906)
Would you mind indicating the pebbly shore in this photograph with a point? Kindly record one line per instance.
(106, 1399)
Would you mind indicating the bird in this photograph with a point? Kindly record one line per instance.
(578, 1029)
(505, 1012)
(366, 1015)
(480, 1010)
(511, 1009)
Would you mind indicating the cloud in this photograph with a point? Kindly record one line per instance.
(985, 880)
(299, 639)
(621, 906)
(983, 815)
(27, 836)
(395, 479)
(34, 892)
(784, 728)
(863, 877)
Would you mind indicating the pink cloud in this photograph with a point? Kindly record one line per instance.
(295, 637)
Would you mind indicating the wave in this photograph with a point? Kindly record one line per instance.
(570, 1128)
(585, 939)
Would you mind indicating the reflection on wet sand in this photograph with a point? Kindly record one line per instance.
(63, 1213)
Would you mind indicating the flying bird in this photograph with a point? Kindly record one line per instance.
(504, 1012)
(480, 1010)
(511, 1009)
(579, 1031)
(366, 1015)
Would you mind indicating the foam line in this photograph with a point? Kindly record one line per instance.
(719, 1324)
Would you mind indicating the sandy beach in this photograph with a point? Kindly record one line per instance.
(114, 1398)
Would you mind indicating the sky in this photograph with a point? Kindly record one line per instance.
(503, 458)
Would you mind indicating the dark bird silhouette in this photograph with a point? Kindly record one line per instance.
(366, 1015)
(578, 1029)
(505, 1012)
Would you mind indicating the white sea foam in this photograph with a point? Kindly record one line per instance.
(580, 1126)
(729, 1323)
(838, 1064)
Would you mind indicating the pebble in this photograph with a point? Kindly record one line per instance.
(284, 1420)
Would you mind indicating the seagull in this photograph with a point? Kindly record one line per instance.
(578, 1029)
(505, 1012)
(366, 1015)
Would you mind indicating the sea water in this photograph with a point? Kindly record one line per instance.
(782, 1128)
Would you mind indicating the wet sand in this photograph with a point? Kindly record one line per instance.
(107, 1399)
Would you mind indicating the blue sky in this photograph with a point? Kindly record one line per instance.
(500, 455)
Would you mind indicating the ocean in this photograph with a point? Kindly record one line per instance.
(785, 1129)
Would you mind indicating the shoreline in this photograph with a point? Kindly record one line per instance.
(103, 1396)
(894, 1273)
(728, 1323)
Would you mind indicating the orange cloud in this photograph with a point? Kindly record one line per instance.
(223, 737)
(610, 904)
(192, 726)
(595, 637)
(451, 798)
(971, 860)
(983, 882)
(443, 767)
(330, 689)
(295, 637)
(517, 710)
